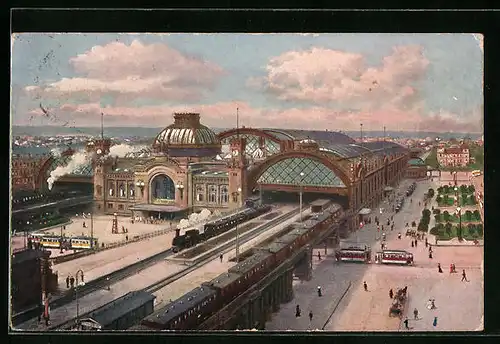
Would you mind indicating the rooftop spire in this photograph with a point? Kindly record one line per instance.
(102, 126)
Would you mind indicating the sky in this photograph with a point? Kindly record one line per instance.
(408, 82)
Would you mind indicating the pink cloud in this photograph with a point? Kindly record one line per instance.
(223, 115)
(136, 70)
(324, 76)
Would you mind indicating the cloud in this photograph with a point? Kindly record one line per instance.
(324, 76)
(154, 71)
(223, 115)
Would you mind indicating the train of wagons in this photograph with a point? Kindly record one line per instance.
(54, 241)
(192, 309)
(212, 229)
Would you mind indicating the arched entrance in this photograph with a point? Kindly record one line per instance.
(162, 189)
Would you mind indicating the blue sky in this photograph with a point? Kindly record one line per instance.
(441, 75)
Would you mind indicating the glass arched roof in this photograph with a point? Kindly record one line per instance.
(287, 172)
(61, 161)
(416, 162)
(317, 135)
(257, 147)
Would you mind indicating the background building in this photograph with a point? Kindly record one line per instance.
(454, 156)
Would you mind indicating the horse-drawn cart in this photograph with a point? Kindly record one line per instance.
(398, 303)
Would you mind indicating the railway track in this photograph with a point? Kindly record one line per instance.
(229, 244)
(172, 278)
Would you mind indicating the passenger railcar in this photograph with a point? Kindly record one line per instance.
(83, 243)
(185, 313)
(395, 257)
(119, 314)
(227, 285)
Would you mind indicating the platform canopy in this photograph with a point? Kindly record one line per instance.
(157, 207)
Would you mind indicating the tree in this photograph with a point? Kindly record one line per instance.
(446, 189)
(440, 226)
(468, 215)
(440, 190)
(477, 215)
(413, 224)
(430, 193)
(437, 211)
(479, 229)
(437, 217)
(448, 228)
(434, 231)
(463, 189)
(471, 188)
(446, 216)
(426, 213)
(471, 228)
(439, 199)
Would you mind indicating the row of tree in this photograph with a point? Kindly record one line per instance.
(474, 230)
(446, 216)
(464, 189)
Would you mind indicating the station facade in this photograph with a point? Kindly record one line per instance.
(189, 167)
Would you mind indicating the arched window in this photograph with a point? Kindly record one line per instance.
(224, 194)
(212, 193)
(200, 192)
(122, 190)
(131, 190)
(111, 188)
(163, 188)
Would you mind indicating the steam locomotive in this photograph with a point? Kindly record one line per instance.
(212, 229)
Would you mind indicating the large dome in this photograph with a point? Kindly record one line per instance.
(187, 137)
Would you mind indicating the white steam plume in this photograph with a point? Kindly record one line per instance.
(77, 160)
(122, 150)
(194, 219)
(56, 152)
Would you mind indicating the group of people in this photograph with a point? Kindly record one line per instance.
(70, 281)
(150, 220)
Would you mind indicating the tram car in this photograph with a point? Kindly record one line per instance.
(192, 309)
(395, 257)
(215, 228)
(354, 254)
(83, 243)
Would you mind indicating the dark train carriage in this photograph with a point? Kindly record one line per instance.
(279, 250)
(121, 313)
(253, 268)
(289, 239)
(320, 205)
(185, 313)
(228, 285)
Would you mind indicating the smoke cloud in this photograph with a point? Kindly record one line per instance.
(122, 150)
(194, 219)
(78, 160)
(56, 152)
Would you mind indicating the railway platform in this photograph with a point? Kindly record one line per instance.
(99, 298)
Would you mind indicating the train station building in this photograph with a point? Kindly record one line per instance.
(188, 167)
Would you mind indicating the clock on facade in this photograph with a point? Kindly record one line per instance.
(99, 151)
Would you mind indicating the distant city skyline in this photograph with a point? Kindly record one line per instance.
(405, 82)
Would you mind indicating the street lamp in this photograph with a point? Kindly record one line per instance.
(180, 187)
(456, 196)
(300, 194)
(26, 234)
(78, 284)
(459, 233)
(238, 235)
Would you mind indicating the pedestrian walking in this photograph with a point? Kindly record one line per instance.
(399, 236)
(72, 281)
(439, 268)
(433, 305)
(435, 321)
(365, 286)
(451, 268)
(40, 310)
(126, 237)
(319, 291)
(464, 276)
(430, 249)
(297, 311)
(430, 254)
(391, 294)
(406, 324)
(382, 228)
(319, 255)
(454, 268)
(392, 227)
(310, 315)
(415, 314)
(416, 242)
(412, 243)
(220, 257)
(67, 282)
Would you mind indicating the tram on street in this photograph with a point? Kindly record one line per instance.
(354, 254)
(397, 257)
